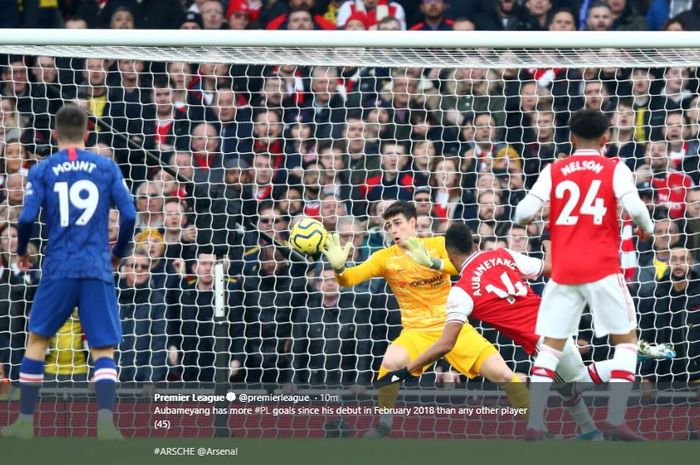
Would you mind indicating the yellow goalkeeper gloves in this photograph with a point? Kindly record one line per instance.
(415, 249)
(336, 254)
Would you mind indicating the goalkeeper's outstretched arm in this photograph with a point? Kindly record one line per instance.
(337, 255)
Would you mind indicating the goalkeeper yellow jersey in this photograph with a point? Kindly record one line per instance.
(67, 355)
(420, 291)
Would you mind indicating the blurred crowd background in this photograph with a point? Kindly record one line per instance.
(222, 159)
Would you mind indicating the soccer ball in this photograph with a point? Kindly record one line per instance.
(308, 236)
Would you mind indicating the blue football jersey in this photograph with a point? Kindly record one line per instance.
(76, 189)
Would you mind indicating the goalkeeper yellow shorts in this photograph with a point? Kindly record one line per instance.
(467, 356)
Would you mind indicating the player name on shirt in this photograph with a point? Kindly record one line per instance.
(577, 165)
(76, 165)
(487, 265)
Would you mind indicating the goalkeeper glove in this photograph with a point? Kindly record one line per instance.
(393, 377)
(416, 250)
(336, 254)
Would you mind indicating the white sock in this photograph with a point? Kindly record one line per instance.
(541, 377)
(579, 412)
(104, 415)
(598, 372)
(386, 419)
(624, 364)
(26, 417)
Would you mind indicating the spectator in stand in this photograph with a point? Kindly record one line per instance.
(13, 161)
(179, 236)
(544, 149)
(263, 174)
(16, 295)
(669, 185)
(142, 350)
(267, 138)
(622, 143)
(191, 338)
(331, 335)
(675, 132)
(662, 11)
(122, 18)
(469, 90)
(204, 144)
(641, 86)
(327, 110)
(225, 211)
(15, 84)
(673, 96)
(295, 20)
(363, 151)
(193, 21)
(625, 17)
(539, 12)
(562, 19)
(445, 182)
(517, 238)
(331, 159)
(599, 17)
(596, 96)
(113, 227)
(433, 17)
(492, 215)
(463, 24)
(238, 15)
(270, 294)
(375, 11)
(270, 223)
(149, 205)
(691, 17)
(422, 200)
(234, 123)
(14, 197)
(393, 182)
(210, 79)
(654, 263)
(180, 77)
(46, 93)
(485, 146)
(424, 226)
(212, 12)
(673, 316)
(505, 15)
(10, 124)
(332, 209)
(161, 129)
(692, 222)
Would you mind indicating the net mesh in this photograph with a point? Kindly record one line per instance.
(225, 148)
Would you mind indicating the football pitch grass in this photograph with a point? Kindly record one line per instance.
(89, 451)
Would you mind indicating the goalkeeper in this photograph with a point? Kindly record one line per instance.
(420, 284)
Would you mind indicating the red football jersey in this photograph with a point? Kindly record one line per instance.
(491, 289)
(671, 191)
(583, 217)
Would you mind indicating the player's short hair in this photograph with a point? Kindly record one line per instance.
(400, 207)
(71, 123)
(589, 124)
(458, 238)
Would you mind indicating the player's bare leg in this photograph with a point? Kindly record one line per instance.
(30, 378)
(105, 388)
(395, 358)
(624, 364)
(541, 379)
(494, 369)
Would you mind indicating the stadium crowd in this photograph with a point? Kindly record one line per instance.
(222, 159)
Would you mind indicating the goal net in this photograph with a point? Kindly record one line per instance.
(225, 140)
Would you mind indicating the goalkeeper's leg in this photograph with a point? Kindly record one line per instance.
(395, 358)
(495, 369)
(30, 378)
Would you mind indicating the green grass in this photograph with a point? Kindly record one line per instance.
(79, 451)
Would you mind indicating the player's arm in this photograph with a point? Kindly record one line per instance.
(418, 252)
(626, 192)
(530, 268)
(337, 255)
(127, 212)
(33, 199)
(533, 201)
(459, 306)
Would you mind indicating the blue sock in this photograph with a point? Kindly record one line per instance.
(31, 375)
(105, 386)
